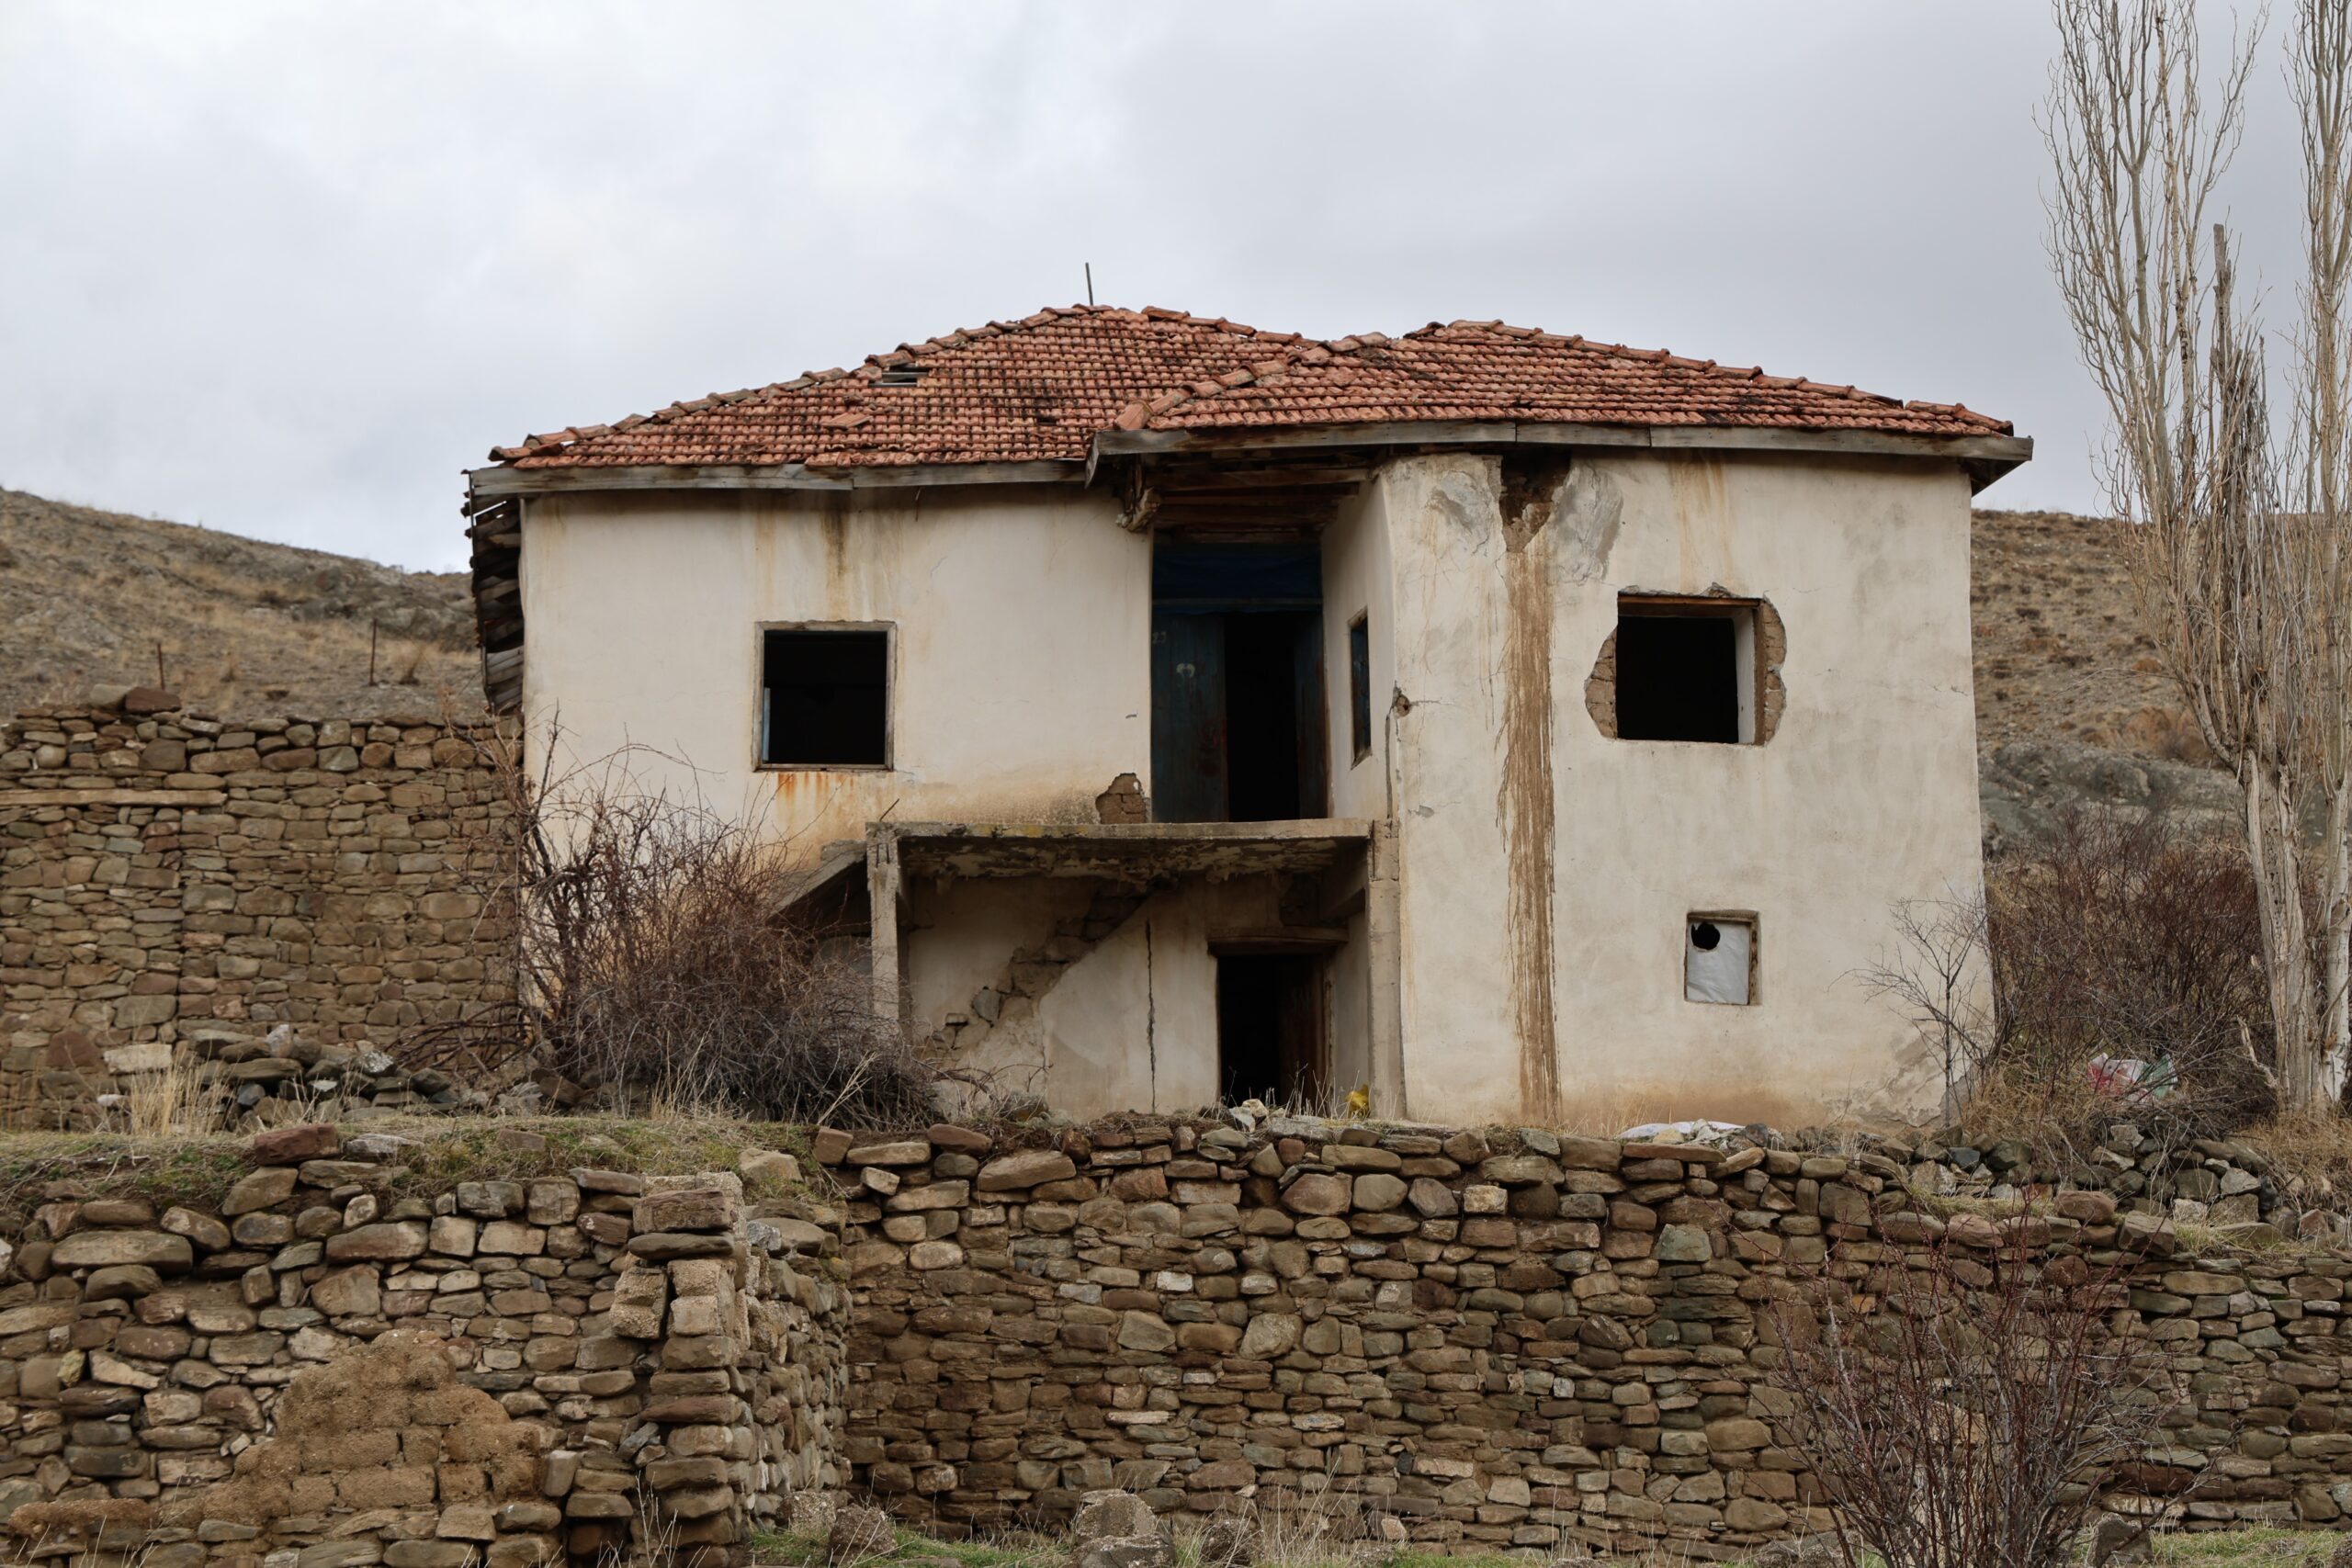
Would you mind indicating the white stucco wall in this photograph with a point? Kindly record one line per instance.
(1021, 688)
(1865, 794)
(1021, 670)
(1130, 1025)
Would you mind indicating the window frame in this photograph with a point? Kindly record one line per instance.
(1360, 696)
(890, 630)
(1755, 925)
(1747, 672)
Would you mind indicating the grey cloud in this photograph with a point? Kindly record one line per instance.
(287, 269)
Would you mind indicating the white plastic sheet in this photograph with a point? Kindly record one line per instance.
(1715, 960)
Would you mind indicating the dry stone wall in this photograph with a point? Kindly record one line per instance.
(668, 1358)
(173, 887)
(1468, 1339)
(1475, 1339)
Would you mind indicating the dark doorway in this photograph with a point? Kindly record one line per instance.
(1238, 720)
(1270, 1028)
(1677, 678)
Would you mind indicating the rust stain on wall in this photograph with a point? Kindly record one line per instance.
(1531, 488)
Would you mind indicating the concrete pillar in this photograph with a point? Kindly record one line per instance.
(882, 888)
(1385, 956)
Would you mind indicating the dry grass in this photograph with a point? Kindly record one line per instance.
(804, 1547)
(174, 1103)
(244, 627)
(198, 1169)
(2310, 1154)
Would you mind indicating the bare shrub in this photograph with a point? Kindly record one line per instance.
(2117, 936)
(1963, 1410)
(661, 966)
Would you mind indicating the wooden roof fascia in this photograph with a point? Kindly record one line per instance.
(506, 479)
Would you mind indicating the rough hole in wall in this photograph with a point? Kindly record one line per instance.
(1123, 802)
(1270, 1028)
(1702, 668)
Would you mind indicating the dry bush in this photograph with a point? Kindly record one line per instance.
(2119, 936)
(660, 967)
(2122, 937)
(1963, 1410)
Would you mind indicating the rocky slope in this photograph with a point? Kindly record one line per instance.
(91, 598)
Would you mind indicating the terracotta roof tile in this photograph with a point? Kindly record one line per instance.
(1041, 389)
(1480, 371)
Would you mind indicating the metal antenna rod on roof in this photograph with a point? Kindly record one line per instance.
(1090, 283)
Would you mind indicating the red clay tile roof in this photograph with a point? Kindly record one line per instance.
(1043, 388)
(1486, 371)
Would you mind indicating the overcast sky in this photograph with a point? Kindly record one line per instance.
(287, 270)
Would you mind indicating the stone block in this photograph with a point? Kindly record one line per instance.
(159, 1250)
(693, 1209)
(1026, 1168)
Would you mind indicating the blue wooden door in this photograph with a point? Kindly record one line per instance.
(1188, 749)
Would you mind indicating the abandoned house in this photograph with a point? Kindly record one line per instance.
(1507, 725)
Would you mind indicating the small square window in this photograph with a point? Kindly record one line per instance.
(1719, 959)
(1360, 684)
(825, 698)
(1685, 670)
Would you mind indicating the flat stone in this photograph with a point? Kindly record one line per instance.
(292, 1145)
(99, 1249)
(662, 1246)
(962, 1140)
(262, 1189)
(695, 1209)
(395, 1239)
(1028, 1168)
(915, 1151)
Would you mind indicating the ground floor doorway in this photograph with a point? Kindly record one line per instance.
(1270, 1023)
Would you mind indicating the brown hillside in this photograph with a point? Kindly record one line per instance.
(2059, 655)
(252, 627)
(87, 598)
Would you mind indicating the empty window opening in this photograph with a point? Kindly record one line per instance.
(825, 698)
(1237, 706)
(1360, 684)
(1685, 672)
(1270, 1028)
(1719, 959)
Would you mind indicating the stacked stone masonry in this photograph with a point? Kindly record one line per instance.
(174, 886)
(1474, 1340)
(620, 1359)
(1496, 1339)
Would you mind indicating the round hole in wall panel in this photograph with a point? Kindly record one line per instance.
(1704, 936)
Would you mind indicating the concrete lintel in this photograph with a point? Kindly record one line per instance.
(1126, 850)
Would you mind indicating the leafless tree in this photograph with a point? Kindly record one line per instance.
(2244, 592)
(2320, 75)
(1963, 1409)
(1941, 974)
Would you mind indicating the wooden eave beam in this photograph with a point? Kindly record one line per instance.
(1990, 455)
(505, 480)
